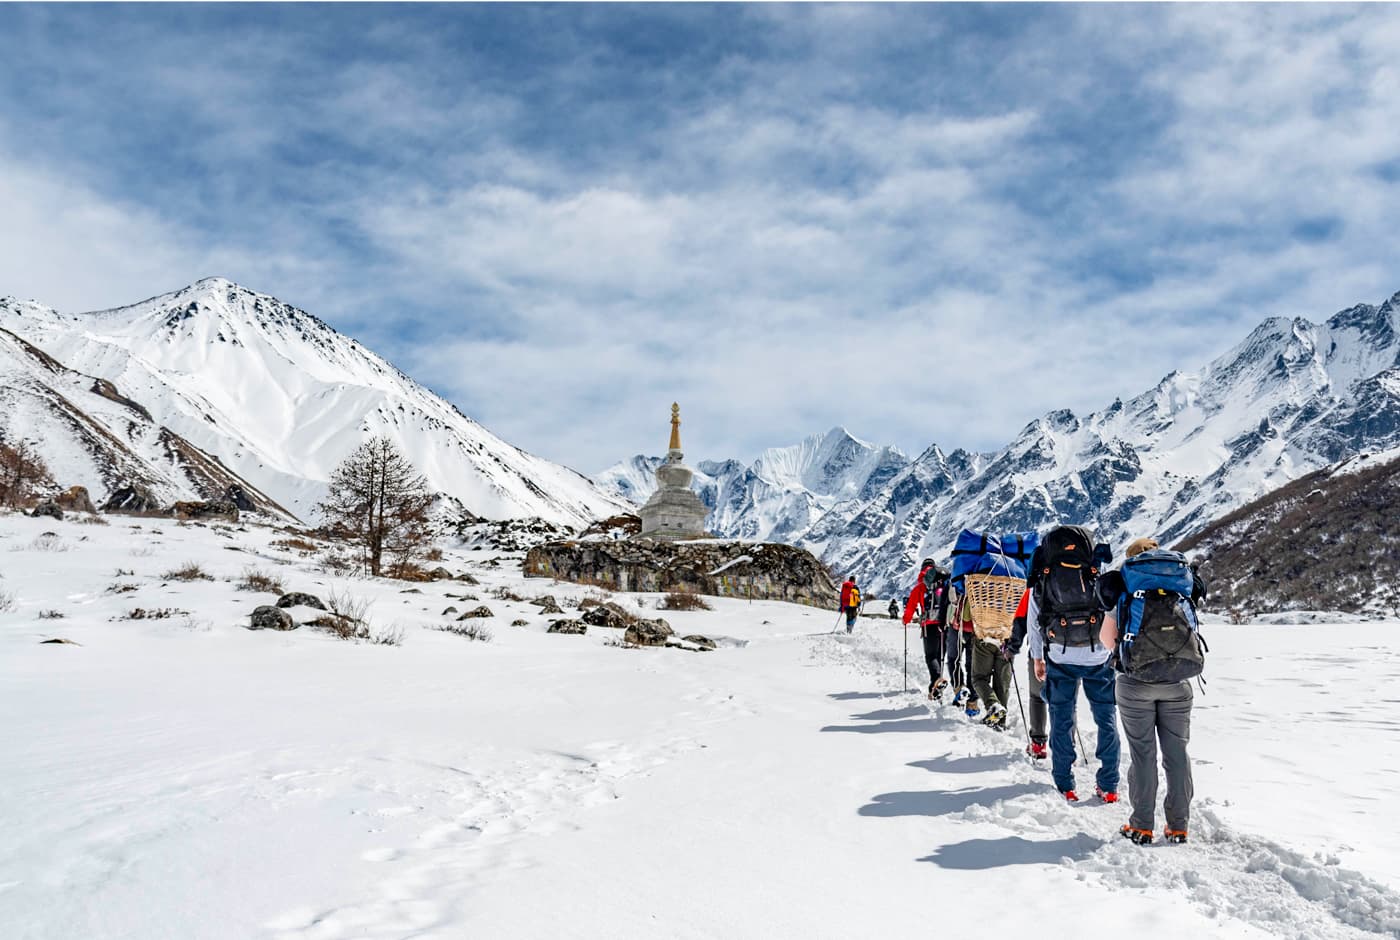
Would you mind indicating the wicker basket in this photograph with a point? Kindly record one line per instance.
(992, 600)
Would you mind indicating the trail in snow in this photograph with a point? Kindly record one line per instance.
(985, 781)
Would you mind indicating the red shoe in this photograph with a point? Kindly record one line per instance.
(1070, 796)
(1108, 796)
(1037, 751)
(1138, 836)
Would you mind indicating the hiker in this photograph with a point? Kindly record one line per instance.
(1152, 622)
(894, 609)
(1036, 747)
(960, 635)
(1069, 647)
(929, 601)
(850, 602)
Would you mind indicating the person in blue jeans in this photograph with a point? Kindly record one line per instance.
(1064, 670)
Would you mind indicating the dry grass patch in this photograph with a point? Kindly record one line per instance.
(189, 571)
(255, 579)
(683, 600)
(154, 613)
(472, 631)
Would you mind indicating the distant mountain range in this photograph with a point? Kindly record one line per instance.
(1293, 397)
(266, 393)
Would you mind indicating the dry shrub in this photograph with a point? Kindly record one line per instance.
(119, 588)
(504, 593)
(124, 573)
(347, 617)
(471, 630)
(433, 554)
(336, 563)
(90, 519)
(295, 545)
(49, 542)
(51, 615)
(683, 600)
(408, 571)
(155, 613)
(7, 602)
(189, 571)
(254, 579)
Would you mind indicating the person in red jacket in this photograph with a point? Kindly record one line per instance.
(929, 601)
(850, 602)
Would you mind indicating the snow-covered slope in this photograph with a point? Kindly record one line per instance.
(91, 434)
(780, 495)
(282, 398)
(1293, 397)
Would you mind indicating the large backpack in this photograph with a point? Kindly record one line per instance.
(1159, 635)
(935, 595)
(1065, 589)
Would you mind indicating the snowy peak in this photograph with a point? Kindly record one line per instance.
(279, 395)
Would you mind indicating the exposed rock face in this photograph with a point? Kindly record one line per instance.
(299, 599)
(623, 526)
(134, 497)
(648, 632)
(239, 497)
(218, 509)
(775, 572)
(47, 508)
(510, 535)
(568, 626)
(268, 617)
(75, 499)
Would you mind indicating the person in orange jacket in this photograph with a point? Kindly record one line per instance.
(850, 602)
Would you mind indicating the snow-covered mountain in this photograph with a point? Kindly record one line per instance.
(281, 398)
(782, 494)
(1293, 397)
(91, 434)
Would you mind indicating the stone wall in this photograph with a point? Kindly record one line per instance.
(777, 572)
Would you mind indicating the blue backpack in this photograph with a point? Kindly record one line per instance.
(985, 553)
(1159, 635)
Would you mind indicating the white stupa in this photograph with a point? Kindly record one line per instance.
(674, 511)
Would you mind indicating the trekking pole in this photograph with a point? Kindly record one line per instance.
(1016, 684)
(906, 657)
(840, 612)
(1083, 754)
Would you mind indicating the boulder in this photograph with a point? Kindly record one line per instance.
(299, 599)
(75, 499)
(450, 610)
(239, 497)
(477, 613)
(47, 508)
(703, 642)
(440, 574)
(551, 608)
(648, 632)
(268, 617)
(568, 626)
(219, 510)
(132, 497)
(545, 600)
(607, 615)
(467, 579)
(520, 623)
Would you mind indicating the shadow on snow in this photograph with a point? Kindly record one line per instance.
(981, 854)
(943, 802)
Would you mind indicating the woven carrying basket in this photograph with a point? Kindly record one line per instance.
(992, 600)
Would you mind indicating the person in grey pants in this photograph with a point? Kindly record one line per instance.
(1039, 713)
(1153, 712)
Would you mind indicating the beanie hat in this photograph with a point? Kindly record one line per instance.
(1138, 546)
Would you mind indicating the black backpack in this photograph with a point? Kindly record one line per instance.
(935, 595)
(1066, 589)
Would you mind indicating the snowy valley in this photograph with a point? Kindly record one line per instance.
(179, 775)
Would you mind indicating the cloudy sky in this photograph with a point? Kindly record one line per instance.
(927, 224)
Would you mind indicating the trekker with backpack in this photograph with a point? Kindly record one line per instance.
(1036, 747)
(1070, 647)
(929, 601)
(850, 602)
(1159, 650)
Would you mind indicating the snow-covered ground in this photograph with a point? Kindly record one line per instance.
(186, 778)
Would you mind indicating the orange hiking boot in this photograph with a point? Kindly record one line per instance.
(1037, 750)
(1108, 796)
(1175, 836)
(1138, 836)
(1070, 796)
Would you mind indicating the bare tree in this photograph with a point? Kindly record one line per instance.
(379, 501)
(22, 473)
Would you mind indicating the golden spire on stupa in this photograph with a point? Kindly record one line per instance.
(675, 427)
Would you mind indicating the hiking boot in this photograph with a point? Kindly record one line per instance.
(1070, 796)
(1175, 836)
(972, 709)
(960, 699)
(1108, 796)
(996, 716)
(1137, 836)
(1037, 750)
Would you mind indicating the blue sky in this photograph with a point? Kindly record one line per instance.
(913, 221)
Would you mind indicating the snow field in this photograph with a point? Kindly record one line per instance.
(184, 777)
